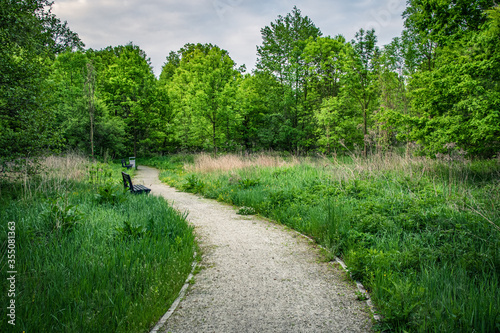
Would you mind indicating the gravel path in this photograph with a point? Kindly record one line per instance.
(257, 276)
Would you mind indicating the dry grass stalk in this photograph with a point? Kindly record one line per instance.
(206, 163)
(58, 171)
(44, 174)
(69, 167)
(378, 164)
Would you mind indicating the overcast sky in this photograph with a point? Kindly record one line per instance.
(161, 26)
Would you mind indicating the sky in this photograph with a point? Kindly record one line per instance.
(161, 26)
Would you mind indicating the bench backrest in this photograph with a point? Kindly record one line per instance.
(127, 181)
(123, 163)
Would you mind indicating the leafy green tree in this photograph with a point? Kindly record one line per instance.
(67, 79)
(29, 43)
(72, 102)
(327, 61)
(281, 54)
(169, 67)
(127, 86)
(459, 102)
(398, 63)
(338, 123)
(362, 77)
(444, 21)
(436, 23)
(202, 91)
(256, 98)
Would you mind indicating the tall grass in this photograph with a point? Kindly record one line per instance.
(206, 163)
(422, 235)
(90, 257)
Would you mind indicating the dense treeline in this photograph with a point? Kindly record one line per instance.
(436, 86)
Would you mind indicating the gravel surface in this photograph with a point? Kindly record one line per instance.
(257, 276)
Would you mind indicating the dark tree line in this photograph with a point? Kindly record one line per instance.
(436, 85)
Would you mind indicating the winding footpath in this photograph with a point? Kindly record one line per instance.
(257, 276)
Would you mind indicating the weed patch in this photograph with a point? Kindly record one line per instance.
(246, 211)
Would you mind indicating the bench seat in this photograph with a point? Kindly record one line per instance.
(136, 189)
(124, 165)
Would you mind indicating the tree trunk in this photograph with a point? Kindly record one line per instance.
(90, 90)
(135, 145)
(214, 127)
(365, 126)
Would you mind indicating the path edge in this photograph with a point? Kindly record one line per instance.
(159, 325)
(359, 285)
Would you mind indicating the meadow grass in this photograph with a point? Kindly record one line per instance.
(422, 235)
(90, 257)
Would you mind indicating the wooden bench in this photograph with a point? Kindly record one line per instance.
(136, 189)
(128, 166)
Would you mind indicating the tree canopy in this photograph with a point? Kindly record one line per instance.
(435, 86)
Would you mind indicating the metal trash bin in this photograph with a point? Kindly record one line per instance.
(132, 161)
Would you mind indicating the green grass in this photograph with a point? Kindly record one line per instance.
(91, 258)
(422, 235)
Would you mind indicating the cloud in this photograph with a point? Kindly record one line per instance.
(161, 26)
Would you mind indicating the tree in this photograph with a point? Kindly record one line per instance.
(338, 121)
(27, 36)
(327, 60)
(444, 21)
(127, 85)
(256, 98)
(362, 77)
(169, 67)
(459, 102)
(398, 63)
(281, 54)
(436, 23)
(90, 92)
(81, 117)
(202, 90)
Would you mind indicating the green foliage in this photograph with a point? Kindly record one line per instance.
(128, 88)
(193, 184)
(59, 215)
(202, 90)
(445, 21)
(339, 122)
(260, 127)
(457, 102)
(128, 231)
(336, 117)
(362, 83)
(80, 116)
(248, 182)
(30, 36)
(360, 296)
(455, 99)
(110, 194)
(281, 54)
(435, 85)
(98, 173)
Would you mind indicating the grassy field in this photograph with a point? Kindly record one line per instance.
(422, 235)
(89, 257)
